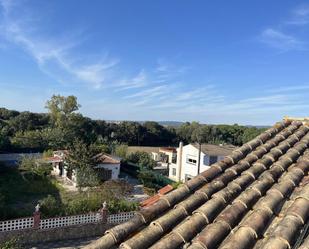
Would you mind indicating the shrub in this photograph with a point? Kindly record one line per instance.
(83, 205)
(115, 206)
(86, 177)
(31, 164)
(152, 179)
(121, 150)
(142, 159)
(48, 153)
(50, 206)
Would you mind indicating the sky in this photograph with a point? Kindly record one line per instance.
(241, 61)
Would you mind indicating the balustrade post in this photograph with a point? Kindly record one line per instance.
(104, 212)
(37, 217)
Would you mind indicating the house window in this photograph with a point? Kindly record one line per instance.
(173, 171)
(188, 177)
(174, 158)
(191, 160)
(212, 159)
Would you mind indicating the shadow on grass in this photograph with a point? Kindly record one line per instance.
(20, 192)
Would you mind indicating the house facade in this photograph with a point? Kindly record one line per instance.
(186, 165)
(108, 166)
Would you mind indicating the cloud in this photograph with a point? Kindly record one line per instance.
(150, 92)
(277, 39)
(297, 88)
(138, 81)
(166, 71)
(55, 57)
(300, 16)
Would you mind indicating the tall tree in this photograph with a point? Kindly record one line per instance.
(60, 108)
(81, 159)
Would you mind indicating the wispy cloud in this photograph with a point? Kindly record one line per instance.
(54, 56)
(150, 92)
(138, 81)
(166, 71)
(277, 39)
(282, 37)
(300, 15)
(289, 89)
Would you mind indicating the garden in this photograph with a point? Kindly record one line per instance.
(22, 189)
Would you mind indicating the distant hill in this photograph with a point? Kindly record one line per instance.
(171, 123)
(259, 126)
(179, 123)
(163, 123)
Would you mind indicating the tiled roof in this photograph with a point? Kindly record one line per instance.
(153, 199)
(258, 197)
(167, 149)
(215, 150)
(104, 158)
(53, 159)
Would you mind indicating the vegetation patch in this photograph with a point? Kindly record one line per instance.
(22, 190)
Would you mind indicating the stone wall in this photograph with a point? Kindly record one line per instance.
(29, 236)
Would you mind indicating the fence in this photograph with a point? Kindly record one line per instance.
(18, 224)
(30, 222)
(119, 218)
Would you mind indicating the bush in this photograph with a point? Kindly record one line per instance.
(121, 150)
(83, 205)
(48, 153)
(115, 206)
(87, 177)
(142, 159)
(31, 164)
(50, 206)
(152, 179)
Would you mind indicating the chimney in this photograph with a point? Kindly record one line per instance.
(179, 161)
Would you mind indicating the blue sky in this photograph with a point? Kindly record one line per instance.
(239, 61)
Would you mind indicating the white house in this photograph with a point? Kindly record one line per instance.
(186, 166)
(108, 166)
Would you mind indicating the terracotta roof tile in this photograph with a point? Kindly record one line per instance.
(258, 197)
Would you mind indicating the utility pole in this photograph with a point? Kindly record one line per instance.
(199, 158)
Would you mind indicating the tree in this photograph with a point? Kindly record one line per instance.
(34, 166)
(202, 134)
(79, 127)
(184, 132)
(61, 107)
(250, 133)
(129, 133)
(4, 142)
(29, 141)
(27, 121)
(142, 159)
(121, 150)
(6, 114)
(156, 134)
(81, 159)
